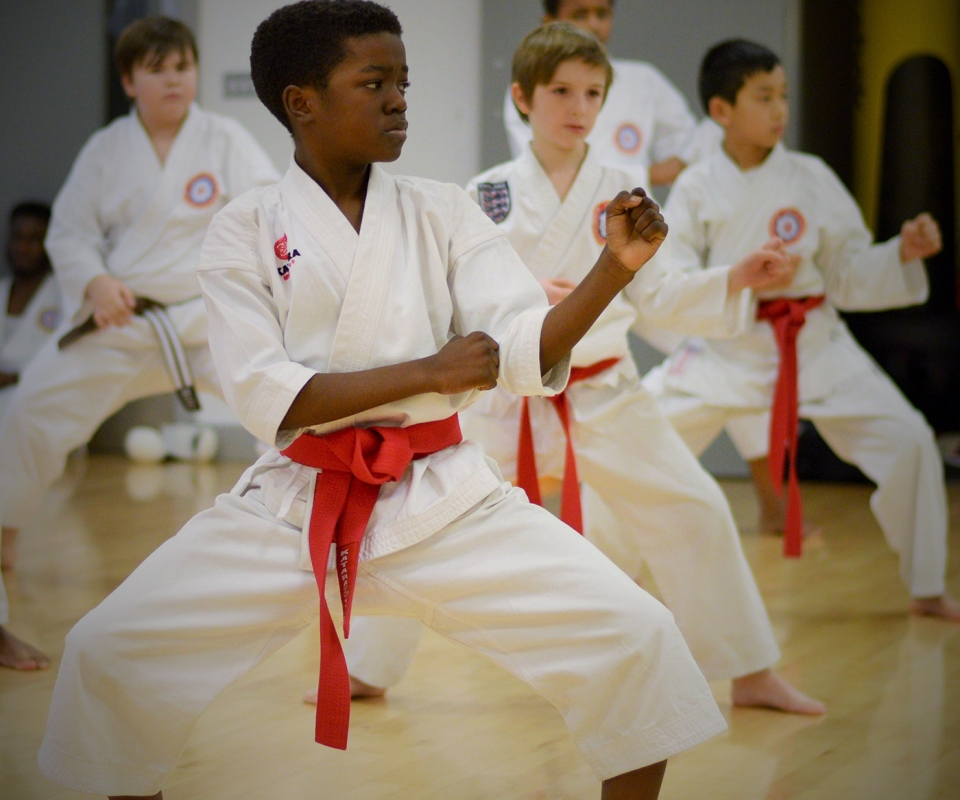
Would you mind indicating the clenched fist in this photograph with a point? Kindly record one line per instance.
(770, 267)
(920, 238)
(465, 363)
(635, 229)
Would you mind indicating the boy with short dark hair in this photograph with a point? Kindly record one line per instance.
(645, 129)
(352, 315)
(605, 429)
(124, 239)
(798, 355)
(29, 297)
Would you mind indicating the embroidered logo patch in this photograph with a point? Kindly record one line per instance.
(495, 200)
(283, 254)
(788, 224)
(628, 139)
(49, 319)
(202, 190)
(600, 222)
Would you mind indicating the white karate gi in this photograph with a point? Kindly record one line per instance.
(21, 337)
(122, 213)
(645, 120)
(292, 289)
(718, 214)
(671, 513)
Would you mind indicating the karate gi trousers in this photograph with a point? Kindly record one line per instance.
(866, 421)
(506, 580)
(669, 513)
(64, 395)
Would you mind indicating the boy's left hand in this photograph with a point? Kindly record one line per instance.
(920, 238)
(635, 229)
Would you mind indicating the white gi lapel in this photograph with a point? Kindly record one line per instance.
(574, 213)
(751, 203)
(369, 276)
(140, 237)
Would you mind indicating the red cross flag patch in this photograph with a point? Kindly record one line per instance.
(628, 139)
(600, 222)
(495, 200)
(788, 224)
(202, 190)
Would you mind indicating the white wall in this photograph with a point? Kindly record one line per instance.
(443, 50)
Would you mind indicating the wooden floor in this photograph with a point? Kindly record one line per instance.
(459, 728)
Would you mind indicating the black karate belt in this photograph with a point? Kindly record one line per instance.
(173, 353)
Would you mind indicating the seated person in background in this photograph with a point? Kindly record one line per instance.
(29, 297)
(645, 128)
(124, 240)
(797, 356)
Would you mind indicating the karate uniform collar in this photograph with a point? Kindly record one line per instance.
(533, 174)
(730, 167)
(186, 127)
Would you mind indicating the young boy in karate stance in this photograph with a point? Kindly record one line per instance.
(645, 128)
(352, 315)
(606, 429)
(797, 354)
(126, 233)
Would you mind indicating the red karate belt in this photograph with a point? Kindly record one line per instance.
(354, 462)
(527, 478)
(787, 316)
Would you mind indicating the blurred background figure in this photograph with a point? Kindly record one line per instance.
(29, 298)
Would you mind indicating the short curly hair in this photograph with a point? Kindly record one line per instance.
(301, 44)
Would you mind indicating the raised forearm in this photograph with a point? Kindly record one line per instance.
(568, 321)
(331, 396)
(463, 364)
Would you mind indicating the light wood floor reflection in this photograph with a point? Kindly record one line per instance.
(457, 727)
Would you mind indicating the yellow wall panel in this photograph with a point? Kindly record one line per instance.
(894, 30)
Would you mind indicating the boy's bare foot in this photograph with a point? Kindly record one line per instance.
(944, 606)
(8, 548)
(17, 654)
(766, 689)
(157, 796)
(358, 691)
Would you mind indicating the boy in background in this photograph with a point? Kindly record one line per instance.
(605, 429)
(29, 297)
(352, 315)
(797, 355)
(645, 128)
(124, 239)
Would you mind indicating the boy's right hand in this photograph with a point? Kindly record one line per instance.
(770, 267)
(465, 363)
(112, 301)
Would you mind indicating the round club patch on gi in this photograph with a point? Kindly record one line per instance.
(788, 224)
(280, 248)
(202, 190)
(49, 319)
(628, 139)
(600, 222)
(495, 200)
